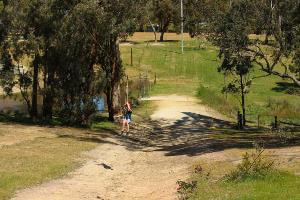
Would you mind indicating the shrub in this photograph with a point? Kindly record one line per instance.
(185, 189)
(254, 165)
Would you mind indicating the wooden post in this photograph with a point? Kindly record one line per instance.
(155, 79)
(146, 83)
(276, 123)
(241, 121)
(143, 83)
(131, 57)
(150, 85)
(225, 84)
(258, 122)
(140, 85)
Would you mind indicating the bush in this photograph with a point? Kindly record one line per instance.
(254, 165)
(185, 189)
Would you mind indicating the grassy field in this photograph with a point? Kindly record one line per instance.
(31, 155)
(195, 73)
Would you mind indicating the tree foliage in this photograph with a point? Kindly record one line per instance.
(165, 13)
(72, 51)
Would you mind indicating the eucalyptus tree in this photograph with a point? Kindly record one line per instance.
(230, 28)
(14, 50)
(231, 36)
(118, 19)
(79, 79)
(166, 12)
(72, 48)
(89, 44)
(274, 58)
(32, 27)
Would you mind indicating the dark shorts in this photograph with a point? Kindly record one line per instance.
(127, 117)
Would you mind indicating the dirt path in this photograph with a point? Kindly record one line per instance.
(144, 166)
(116, 172)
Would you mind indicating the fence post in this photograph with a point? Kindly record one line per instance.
(241, 121)
(276, 123)
(258, 122)
(155, 79)
(146, 84)
(141, 86)
(131, 57)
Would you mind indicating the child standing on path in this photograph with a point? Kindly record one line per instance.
(126, 116)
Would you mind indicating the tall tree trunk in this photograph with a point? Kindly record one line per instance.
(162, 36)
(114, 75)
(34, 112)
(117, 97)
(48, 98)
(243, 100)
(109, 99)
(267, 39)
(164, 29)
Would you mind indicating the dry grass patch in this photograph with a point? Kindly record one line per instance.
(36, 154)
(146, 36)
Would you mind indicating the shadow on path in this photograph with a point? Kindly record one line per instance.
(192, 135)
(197, 134)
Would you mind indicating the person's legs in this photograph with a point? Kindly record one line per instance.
(128, 122)
(123, 124)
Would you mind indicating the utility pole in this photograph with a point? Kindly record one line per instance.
(182, 26)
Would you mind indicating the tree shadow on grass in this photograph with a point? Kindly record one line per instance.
(87, 138)
(165, 41)
(286, 87)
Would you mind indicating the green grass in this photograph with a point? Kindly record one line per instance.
(143, 111)
(195, 73)
(103, 125)
(276, 185)
(33, 162)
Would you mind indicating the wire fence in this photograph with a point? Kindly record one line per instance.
(270, 121)
(136, 87)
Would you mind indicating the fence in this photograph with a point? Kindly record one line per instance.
(135, 87)
(269, 121)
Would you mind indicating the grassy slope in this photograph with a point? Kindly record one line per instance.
(183, 74)
(195, 73)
